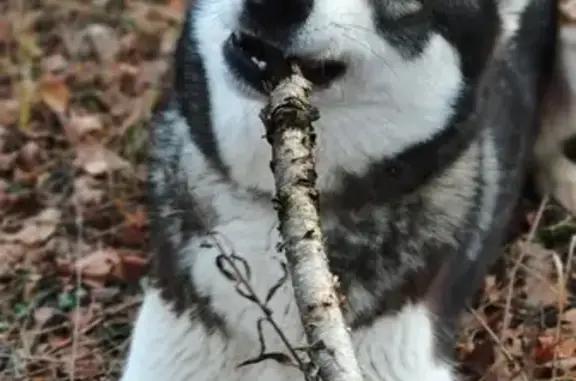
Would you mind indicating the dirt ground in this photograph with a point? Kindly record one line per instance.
(78, 80)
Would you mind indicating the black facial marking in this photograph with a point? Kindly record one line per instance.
(473, 34)
(390, 179)
(192, 93)
(261, 65)
(472, 27)
(175, 217)
(569, 148)
(275, 20)
(409, 34)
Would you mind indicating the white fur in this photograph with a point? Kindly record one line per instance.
(382, 105)
(510, 11)
(167, 348)
(170, 348)
(491, 178)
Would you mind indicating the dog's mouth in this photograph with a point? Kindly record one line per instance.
(260, 64)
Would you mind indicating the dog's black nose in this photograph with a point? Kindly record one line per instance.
(276, 17)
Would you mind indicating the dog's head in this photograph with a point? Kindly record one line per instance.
(335, 41)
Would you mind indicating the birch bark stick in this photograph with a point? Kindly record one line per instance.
(288, 120)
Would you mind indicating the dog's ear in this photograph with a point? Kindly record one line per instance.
(555, 151)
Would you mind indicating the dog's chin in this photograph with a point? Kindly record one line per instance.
(259, 65)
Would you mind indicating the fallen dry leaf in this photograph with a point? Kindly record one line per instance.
(54, 64)
(106, 264)
(8, 160)
(28, 43)
(55, 94)
(567, 348)
(9, 111)
(540, 286)
(86, 364)
(568, 10)
(96, 159)
(30, 155)
(5, 30)
(87, 191)
(99, 264)
(42, 315)
(133, 267)
(131, 235)
(176, 5)
(10, 256)
(137, 218)
(136, 112)
(36, 229)
(544, 351)
(79, 126)
(80, 317)
(491, 291)
(103, 41)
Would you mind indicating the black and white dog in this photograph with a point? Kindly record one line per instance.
(428, 114)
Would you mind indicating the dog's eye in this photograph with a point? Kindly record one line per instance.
(398, 9)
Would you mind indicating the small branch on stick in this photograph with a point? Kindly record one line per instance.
(288, 120)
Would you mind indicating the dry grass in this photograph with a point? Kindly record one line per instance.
(78, 80)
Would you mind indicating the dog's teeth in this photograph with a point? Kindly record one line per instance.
(261, 64)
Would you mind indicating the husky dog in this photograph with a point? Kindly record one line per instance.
(555, 149)
(428, 113)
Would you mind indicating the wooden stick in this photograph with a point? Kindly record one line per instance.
(288, 120)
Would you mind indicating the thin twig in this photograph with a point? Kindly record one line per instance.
(531, 234)
(497, 340)
(79, 222)
(242, 279)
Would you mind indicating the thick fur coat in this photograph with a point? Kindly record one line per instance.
(423, 141)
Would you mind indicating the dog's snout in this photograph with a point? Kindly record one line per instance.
(275, 17)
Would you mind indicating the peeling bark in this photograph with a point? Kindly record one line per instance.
(288, 120)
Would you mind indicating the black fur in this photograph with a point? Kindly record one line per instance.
(191, 95)
(378, 236)
(275, 19)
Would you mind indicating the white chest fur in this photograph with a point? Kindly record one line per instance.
(167, 347)
(370, 113)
